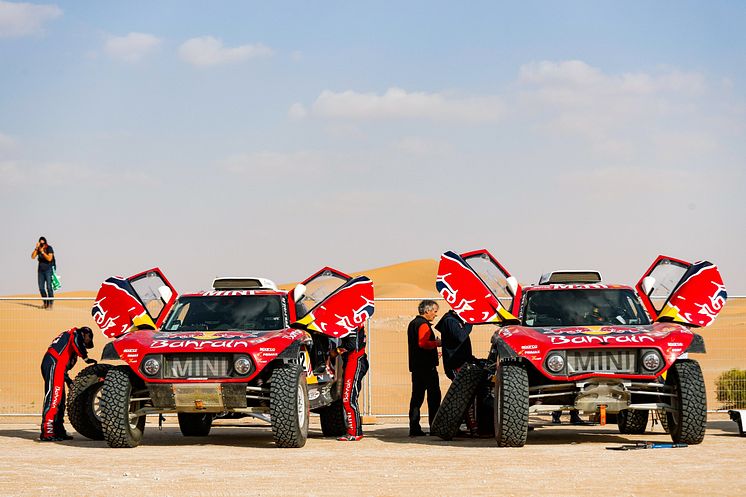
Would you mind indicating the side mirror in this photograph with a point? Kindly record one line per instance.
(165, 293)
(299, 291)
(648, 282)
(512, 284)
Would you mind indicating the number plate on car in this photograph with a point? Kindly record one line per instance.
(602, 361)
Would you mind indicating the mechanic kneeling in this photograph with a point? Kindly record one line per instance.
(60, 358)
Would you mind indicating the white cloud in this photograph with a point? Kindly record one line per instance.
(297, 111)
(276, 164)
(400, 104)
(131, 47)
(208, 51)
(25, 174)
(6, 143)
(23, 19)
(422, 147)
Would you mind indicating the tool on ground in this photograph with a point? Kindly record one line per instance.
(648, 445)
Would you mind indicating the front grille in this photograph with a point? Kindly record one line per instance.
(198, 366)
(602, 361)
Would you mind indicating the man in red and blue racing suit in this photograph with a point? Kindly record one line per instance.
(354, 367)
(60, 358)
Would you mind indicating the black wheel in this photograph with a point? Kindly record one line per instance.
(688, 420)
(195, 424)
(288, 406)
(121, 427)
(511, 405)
(333, 420)
(84, 405)
(632, 422)
(456, 401)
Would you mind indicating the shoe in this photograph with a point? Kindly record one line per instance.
(51, 439)
(417, 434)
(556, 420)
(350, 438)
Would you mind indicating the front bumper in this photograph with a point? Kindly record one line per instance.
(198, 397)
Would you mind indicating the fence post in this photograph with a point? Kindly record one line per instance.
(368, 395)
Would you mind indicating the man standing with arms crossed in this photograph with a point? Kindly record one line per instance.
(423, 362)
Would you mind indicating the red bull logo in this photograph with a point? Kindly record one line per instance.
(344, 311)
(117, 309)
(466, 293)
(699, 298)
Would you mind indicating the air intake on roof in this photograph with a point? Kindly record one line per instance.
(571, 277)
(241, 283)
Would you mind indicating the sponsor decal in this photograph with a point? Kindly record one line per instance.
(675, 344)
(313, 394)
(266, 349)
(198, 344)
(591, 339)
(526, 347)
(531, 352)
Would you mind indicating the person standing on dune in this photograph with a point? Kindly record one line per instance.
(44, 253)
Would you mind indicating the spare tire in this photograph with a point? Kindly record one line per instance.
(456, 401)
(83, 406)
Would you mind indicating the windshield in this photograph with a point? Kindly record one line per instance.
(597, 307)
(239, 312)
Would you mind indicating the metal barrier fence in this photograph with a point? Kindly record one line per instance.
(27, 330)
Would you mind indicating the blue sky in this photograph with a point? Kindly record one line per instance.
(272, 138)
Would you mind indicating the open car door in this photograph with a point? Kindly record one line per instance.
(334, 303)
(682, 292)
(477, 287)
(140, 301)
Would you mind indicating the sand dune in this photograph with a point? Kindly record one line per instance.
(27, 331)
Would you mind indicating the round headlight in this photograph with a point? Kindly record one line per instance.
(651, 361)
(555, 362)
(242, 365)
(151, 366)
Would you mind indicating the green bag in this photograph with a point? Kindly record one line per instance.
(56, 280)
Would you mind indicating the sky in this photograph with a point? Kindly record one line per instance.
(274, 138)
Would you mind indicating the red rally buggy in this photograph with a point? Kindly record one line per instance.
(243, 348)
(573, 342)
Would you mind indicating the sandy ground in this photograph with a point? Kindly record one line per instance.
(239, 459)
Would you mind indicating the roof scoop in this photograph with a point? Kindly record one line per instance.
(570, 277)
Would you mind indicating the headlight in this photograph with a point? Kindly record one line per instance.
(651, 360)
(555, 362)
(151, 366)
(242, 365)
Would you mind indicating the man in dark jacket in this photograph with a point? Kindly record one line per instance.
(60, 358)
(423, 361)
(454, 334)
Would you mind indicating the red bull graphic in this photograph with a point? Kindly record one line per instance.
(466, 293)
(698, 298)
(344, 311)
(117, 309)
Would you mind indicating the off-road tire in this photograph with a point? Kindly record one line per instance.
(195, 424)
(333, 419)
(688, 421)
(456, 401)
(632, 422)
(288, 406)
(81, 406)
(115, 410)
(511, 405)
